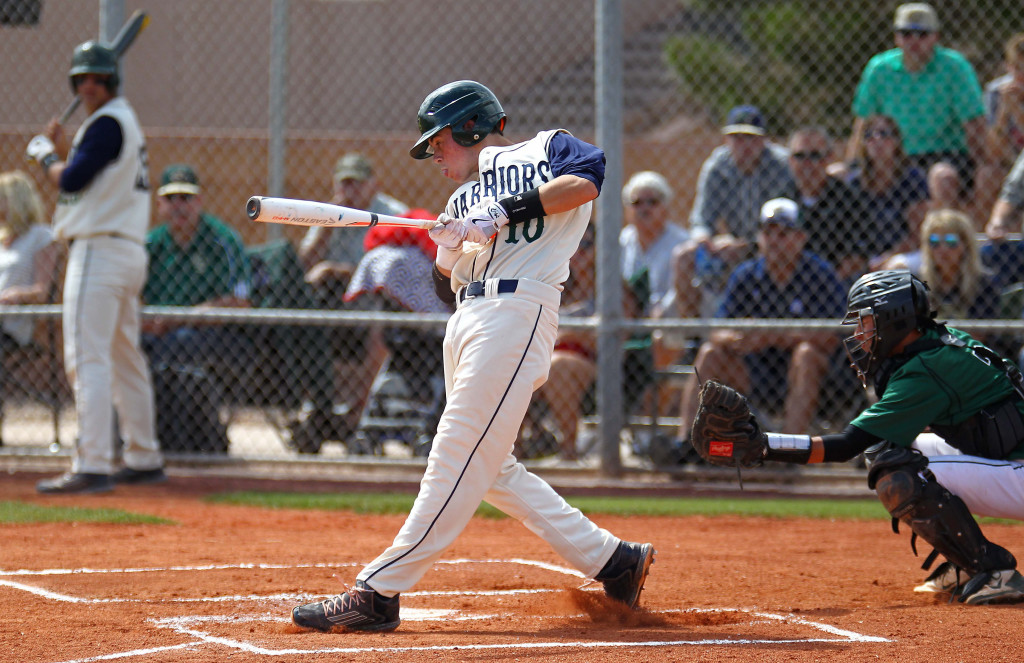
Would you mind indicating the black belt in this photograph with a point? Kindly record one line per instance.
(476, 288)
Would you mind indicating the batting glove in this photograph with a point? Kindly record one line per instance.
(41, 150)
(448, 234)
(484, 220)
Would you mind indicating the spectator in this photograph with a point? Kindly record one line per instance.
(103, 212)
(195, 259)
(951, 266)
(331, 255)
(786, 281)
(932, 92)
(831, 211)
(28, 257)
(1007, 212)
(734, 182)
(1004, 106)
(895, 193)
(1006, 258)
(568, 392)
(945, 188)
(649, 237)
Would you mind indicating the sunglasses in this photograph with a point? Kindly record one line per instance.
(920, 34)
(949, 239)
(650, 202)
(879, 133)
(808, 156)
(179, 197)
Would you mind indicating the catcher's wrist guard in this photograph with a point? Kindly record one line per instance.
(788, 448)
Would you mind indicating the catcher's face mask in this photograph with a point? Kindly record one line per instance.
(859, 346)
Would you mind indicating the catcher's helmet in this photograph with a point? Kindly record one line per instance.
(469, 108)
(92, 57)
(898, 302)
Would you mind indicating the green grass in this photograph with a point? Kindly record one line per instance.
(20, 512)
(389, 503)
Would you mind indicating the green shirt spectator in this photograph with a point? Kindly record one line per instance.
(211, 266)
(930, 106)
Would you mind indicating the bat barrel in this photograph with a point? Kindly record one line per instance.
(252, 207)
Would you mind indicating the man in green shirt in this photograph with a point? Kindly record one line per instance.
(195, 259)
(931, 92)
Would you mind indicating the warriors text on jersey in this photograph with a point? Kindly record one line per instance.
(538, 249)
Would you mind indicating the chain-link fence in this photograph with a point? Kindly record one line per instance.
(268, 342)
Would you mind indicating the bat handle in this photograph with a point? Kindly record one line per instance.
(252, 207)
(72, 107)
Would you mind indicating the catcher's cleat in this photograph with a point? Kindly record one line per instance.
(624, 575)
(945, 579)
(1005, 586)
(358, 609)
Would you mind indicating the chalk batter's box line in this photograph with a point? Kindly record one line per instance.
(182, 623)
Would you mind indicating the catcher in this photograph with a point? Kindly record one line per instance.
(925, 375)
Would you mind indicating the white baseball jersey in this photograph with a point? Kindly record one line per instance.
(538, 249)
(117, 199)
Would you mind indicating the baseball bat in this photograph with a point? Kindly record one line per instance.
(311, 213)
(135, 24)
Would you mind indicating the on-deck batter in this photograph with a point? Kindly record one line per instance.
(504, 241)
(103, 212)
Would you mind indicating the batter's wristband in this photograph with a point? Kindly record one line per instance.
(524, 206)
(48, 161)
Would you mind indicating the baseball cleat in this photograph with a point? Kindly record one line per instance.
(624, 575)
(76, 483)
(944, 579)
(358, 609)
(1005, 586)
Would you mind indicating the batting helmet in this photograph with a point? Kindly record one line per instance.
(92, 57)
(469, 108)
(898, 302)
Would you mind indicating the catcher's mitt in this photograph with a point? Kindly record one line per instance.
(724, 431)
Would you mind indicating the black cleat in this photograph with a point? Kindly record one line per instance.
(358, 609)
(624, 575)
(76, 483)
(133, 476)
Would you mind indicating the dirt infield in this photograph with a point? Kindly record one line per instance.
(219, 584)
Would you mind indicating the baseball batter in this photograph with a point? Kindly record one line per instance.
(504, 241)
(925, 375)
(103, 212)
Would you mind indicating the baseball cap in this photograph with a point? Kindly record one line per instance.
(178, 178)
(781, 212)
(353, 166)
(744, 120)
(916, 16)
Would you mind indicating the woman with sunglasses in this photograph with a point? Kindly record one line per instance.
(895, 194)
(961, 288)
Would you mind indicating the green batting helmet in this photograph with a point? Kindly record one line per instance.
(469, 108)
(92, 57)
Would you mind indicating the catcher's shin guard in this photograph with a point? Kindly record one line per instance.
(911, 494)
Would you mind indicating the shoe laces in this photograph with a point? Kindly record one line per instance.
(350, 598)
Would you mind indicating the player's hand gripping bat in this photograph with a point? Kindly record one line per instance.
(135, 24)
(311, 213)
